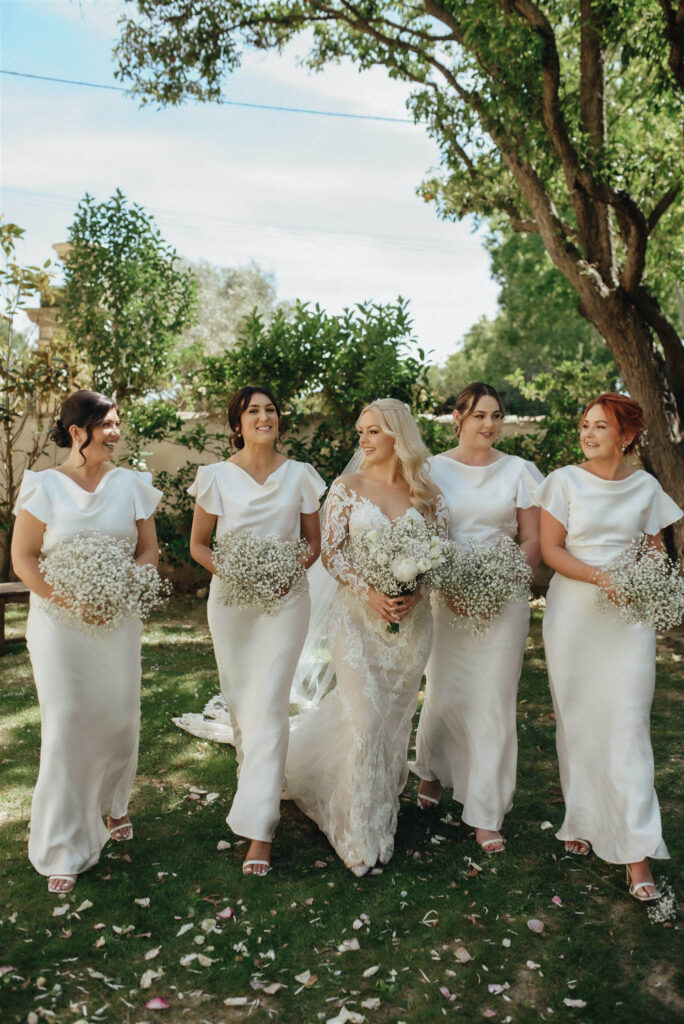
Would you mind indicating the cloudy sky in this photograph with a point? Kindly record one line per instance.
(326, 203)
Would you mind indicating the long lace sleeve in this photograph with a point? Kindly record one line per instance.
(442, 516)
(336, 511)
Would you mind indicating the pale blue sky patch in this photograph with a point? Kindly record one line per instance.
(328, 204)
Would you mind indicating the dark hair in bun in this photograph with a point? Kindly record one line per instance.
(85, 409)
(237, 405)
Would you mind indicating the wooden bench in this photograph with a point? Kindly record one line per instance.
(19, 594)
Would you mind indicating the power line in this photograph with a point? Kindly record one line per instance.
(224, 103)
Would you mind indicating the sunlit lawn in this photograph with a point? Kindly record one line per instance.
(438, 936)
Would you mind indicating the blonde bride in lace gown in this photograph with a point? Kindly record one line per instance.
(346, 763)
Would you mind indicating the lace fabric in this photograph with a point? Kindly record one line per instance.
(346, 763)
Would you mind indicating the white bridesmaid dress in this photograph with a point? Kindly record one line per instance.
(467, 732)
(602, 670)
(346, 765)
(88, 685)
(256, 653)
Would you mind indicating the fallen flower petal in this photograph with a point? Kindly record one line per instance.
(532, 966)
(6, 970)
(579, 1003)
(226, 914)
(86, 905)
(347, 945)
(306, 978)
(144, 901)
(346, 1016)
(270, 990)
(546, 824)
(444, 991)
(157, 1004)
(59, 911)
(235, 1001)
(535, 925)
(320, 863)
(148, 977)
(557, 900)
(152, 953)
(223, 845)
(370, 971)
(371, 1003)
(183, 929)
(462, 955)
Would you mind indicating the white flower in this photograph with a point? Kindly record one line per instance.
(481, 579)
(97, 583)
(405, 569)
(649, 587)
(258, 572)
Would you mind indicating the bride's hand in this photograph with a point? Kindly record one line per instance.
(383, 605)
(405, 604)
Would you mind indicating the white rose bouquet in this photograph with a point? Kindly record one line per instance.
(481, 579)
(258, 572)
(97, 584)
(399, 557)
(648, 587)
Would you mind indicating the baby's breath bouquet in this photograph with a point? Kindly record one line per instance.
(648, 586)
(97, 584)
(481, 579)
(398, 557)
(258, 572)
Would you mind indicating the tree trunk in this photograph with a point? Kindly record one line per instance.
(642, 371)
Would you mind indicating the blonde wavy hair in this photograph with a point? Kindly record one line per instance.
(396, 420)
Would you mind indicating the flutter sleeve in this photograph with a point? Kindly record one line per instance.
(206, 491)
(662, 511)
(33, 496)
(552, 495)
(336, 511)
(529, 480)
(312, 487)
(145, 496)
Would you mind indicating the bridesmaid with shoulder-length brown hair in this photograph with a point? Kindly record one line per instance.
(601, 668)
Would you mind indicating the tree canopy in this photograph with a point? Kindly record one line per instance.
(562, 115)
(125, 300)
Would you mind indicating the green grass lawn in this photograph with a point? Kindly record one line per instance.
(136, 925)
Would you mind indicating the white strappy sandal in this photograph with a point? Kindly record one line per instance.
(635, 888)
(256, 874)
(61, 878)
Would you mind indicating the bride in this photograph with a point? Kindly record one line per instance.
(346, 763)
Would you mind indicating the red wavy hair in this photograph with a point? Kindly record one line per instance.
(623, 413)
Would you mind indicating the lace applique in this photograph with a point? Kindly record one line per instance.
(338, 507)
(442, 516)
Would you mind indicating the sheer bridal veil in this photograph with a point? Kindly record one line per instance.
(314, 675)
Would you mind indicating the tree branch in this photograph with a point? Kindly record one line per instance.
(674, 34)
(663, 206)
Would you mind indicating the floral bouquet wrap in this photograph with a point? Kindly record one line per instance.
(259, 572)
(97, 584)
(481, 579)
(399, 557)
(648, 586)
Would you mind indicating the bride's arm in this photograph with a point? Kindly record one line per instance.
(336, 512)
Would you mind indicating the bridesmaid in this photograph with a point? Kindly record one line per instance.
(88, 686)
(466, 734)
(257, 489)
(601, 669)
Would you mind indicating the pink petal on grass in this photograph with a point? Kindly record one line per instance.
(226, 913)
(557, 900)
(157, 1004)
(535, 925)
(444, 991)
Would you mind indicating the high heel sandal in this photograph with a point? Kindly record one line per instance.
(118, 828)
(256, 874)
(584, 843)
(61, 878)
(635, 887)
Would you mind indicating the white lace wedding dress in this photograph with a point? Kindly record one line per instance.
(346, 763)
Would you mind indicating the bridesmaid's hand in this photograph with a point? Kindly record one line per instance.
(604, 581)
(457, 609)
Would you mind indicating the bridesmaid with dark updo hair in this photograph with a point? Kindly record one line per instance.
(88, 683)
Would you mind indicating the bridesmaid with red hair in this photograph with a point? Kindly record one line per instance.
(602, 669)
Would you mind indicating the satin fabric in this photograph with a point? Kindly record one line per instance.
(88, 686)
(602, 670)
(467, 730)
